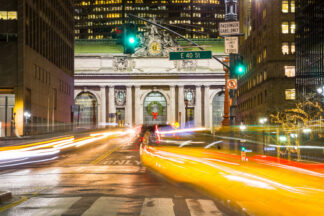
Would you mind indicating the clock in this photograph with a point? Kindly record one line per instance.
(154, 48)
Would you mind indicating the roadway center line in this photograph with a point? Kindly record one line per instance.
(102, 157)
(22, 199)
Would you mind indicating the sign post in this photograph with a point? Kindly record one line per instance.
(190, 55)
(229, 28)
(231, 45)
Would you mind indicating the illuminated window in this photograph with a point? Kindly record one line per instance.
(265, 75)
(292, 27)
(292, 48)
(3, 15)
(292, 6)
(285, 27)
(264, 13)
(285, 48)
(290, 94)
(285, 6)
(290, 71)
(12, 15)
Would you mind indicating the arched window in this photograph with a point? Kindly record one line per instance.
(88, 115)
(218, 108)
(155, 108)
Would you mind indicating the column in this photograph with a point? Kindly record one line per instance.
(112, 108)
(128, 111)
(181, 106)
(137, 105)
(103, 105)
(198, 107)
(207, 114)
(173, 104)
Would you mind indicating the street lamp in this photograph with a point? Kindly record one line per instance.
(27, 115)
(263, 121)
(320, 90)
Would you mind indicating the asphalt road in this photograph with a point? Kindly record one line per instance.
(103, 178)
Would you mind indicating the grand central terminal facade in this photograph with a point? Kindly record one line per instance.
(148, 88)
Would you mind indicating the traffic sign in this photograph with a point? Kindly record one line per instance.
(190, 55)
(231, 45)
(229, 28)
(232, 84)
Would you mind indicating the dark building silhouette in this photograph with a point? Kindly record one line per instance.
(309, 46)
(36, 64)
(98, 19)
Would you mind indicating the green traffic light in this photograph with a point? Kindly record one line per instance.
(240, 69)
(131, 40)
(243, 149)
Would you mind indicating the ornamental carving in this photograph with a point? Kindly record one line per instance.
(186, 65)
(120, 97)
(155, 42)
(123, 63)
(190, 96)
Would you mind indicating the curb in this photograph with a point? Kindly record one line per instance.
(5, 196)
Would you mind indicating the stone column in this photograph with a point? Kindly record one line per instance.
(137, 105)
(128, 111)
(207, 114)
(198, 107)
(112, 108)
(181, 106)
(103, 105)
(172, 104)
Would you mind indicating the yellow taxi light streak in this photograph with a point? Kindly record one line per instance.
(256, 188)
(33, 144)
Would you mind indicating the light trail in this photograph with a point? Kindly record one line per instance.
(182, 130)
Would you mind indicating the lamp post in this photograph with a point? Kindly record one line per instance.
(186, 103)
(263, 121)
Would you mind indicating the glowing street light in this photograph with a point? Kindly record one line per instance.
(263, 120)
(307, 130)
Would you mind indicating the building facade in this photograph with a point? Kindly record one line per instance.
(268, 50)
(36, 65)
(309, 46)
(148, 88)
(98, 19)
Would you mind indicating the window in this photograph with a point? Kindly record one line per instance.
(285, 48)
(285, 27)
(285, 6)
(292, 27)
(3, 15)
(290, 94)
(290, 71)
(292, 48)
(265, 75)
(8, 15)
(12, 15)
(292, 6)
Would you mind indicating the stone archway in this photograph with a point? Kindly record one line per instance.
(88, 115)
(218, 108)
(155, 108)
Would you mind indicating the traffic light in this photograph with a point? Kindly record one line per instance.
(237, 65)
(239, 68)
(243, 149)
(130, 41)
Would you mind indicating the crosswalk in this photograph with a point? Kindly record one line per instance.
(114, 206)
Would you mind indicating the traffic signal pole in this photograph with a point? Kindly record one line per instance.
(226, 118)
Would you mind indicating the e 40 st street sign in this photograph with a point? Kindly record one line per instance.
(190, 55)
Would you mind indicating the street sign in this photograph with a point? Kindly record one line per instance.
(229, 28)
(190, 55)
(232, 84)
(231, 45)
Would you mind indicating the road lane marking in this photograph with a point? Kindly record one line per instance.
(106, 206)
(102, 157)
(157, 207)
(203, 208)
(11, 205)
(39, 206)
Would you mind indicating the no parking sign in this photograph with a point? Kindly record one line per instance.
(232, 84)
